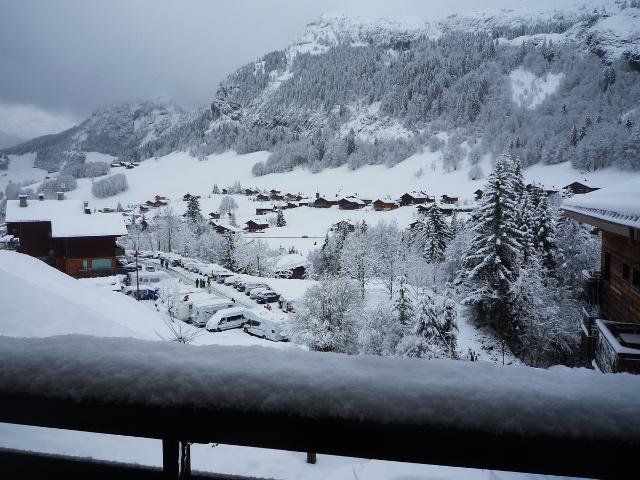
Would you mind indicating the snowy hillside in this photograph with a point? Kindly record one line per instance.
(111, 130)
(363, 91)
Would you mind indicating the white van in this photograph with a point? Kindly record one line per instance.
(265, 328)
(204, 309)
(227, 319)
(185, 307)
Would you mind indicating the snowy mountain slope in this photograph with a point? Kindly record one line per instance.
(112, 130)
(398, 84)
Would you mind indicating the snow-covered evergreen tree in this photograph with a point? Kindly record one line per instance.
(436, 235)
(280, 220)
(193, 210)
(492, 260)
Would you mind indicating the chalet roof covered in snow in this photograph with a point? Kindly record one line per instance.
(290, 261)
(618, 203)
(67, 218)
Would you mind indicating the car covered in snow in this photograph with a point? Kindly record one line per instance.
(253, 293)
(267, 297)
(246, 287)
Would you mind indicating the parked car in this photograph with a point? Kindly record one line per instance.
(149, 268)
(268, 297)
(146, 293)
(221, 277)
(248, 286)
(230, 280)
(265, 328)
(131, 267)
(227, 319)
(253, 294)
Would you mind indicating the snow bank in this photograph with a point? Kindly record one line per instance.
(566, 403)
(37, 300)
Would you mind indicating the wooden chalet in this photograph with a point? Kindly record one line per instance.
(611, 336)
(223, 229)
(447, 200)
(251, 191)
(578, 188)
(291, 197)
(414, 198)
(261, 197)
(290, 205)
(384, 205)
(321, 202)
(255, 226)
(350, 203)
(264, 210)
(225, 191)
(292, 265)
(277, 196)
(66, 234)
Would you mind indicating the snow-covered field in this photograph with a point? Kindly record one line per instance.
(179, 173)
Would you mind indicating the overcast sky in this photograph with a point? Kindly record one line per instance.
(61, 59)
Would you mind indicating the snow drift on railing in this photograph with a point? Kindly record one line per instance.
(562, 402)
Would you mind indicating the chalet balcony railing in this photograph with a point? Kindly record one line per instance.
(100, 272)
(464, 414)
(612, 353)
(592, 286)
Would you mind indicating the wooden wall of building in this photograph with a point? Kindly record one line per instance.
(620, 298)
(35, 238)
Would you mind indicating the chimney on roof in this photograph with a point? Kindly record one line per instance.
(41, 196)
(60, 195)
(23, 200)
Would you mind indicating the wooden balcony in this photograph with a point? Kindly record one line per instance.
(617, 347)
(592, 286)
(445, 412)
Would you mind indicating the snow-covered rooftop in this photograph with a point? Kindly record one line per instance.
(289, 261)
(618, 203)
(67, 218)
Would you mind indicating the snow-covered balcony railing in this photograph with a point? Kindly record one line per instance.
(617, 347)
(467, 414)
(100, 272)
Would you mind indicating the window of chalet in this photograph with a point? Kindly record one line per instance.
(626, 272)
(100, 263)
(636, 278)
(607, 266)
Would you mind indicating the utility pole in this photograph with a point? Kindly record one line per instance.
(136, 253)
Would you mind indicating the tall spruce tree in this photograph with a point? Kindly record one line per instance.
(545, 233)
(403, 305)
(193, 210)
(436, 235)
(280, 221)
(492, 259)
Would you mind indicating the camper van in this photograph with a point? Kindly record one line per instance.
(184, 309)
(227, 319)
(265, 328)
(147, 278)
(204, 309)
